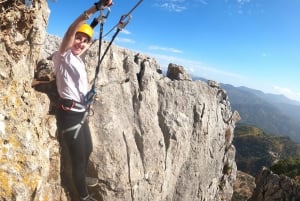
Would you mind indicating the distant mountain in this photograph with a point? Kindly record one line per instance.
(275, 114)
(273, 98)
(285, 105)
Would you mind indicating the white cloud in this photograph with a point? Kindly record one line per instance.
(177, 5)
(173, 7)
(243, 7)
(240, 7)
(243, 1)
(287, 92)
(125, 40)
(125, 31)
(166, 49)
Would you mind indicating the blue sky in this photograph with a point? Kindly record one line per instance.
(252, 43)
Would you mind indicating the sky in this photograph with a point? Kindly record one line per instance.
(251, 43)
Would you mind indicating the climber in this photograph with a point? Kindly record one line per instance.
(72, 86)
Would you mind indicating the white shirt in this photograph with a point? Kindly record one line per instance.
(71, 76)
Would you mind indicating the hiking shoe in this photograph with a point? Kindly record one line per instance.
(91, 181)
(88, 198)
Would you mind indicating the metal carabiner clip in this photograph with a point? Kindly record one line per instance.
(124, 20)
(101, 18)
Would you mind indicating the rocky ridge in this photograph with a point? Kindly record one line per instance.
(273, 187)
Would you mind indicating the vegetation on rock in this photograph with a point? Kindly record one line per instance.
(289, 167)
(256, 148)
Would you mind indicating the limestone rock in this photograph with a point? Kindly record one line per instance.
(272, 187)
(158, 139)
(30, 160)
(243, 186)
(176, 72)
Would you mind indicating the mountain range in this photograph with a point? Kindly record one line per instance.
(275, 114)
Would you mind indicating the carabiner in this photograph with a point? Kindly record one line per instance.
(124, 20)
(103, 17)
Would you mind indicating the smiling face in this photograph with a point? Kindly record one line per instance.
(80, 43)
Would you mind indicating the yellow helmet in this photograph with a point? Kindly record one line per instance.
(87, 29)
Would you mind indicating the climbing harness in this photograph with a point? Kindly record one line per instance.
(77, 126)
(71, 105)
(89, 97)
(75, 107)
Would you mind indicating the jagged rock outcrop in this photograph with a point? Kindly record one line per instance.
(154, 138)
(176, 72)
(273, 187)
(169, 140)
(243, 186)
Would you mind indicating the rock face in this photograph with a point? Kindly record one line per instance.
(168, 140)
(272, 187)
(155, 138)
